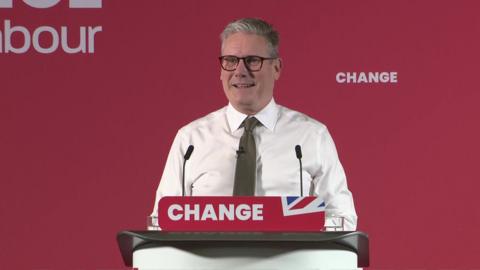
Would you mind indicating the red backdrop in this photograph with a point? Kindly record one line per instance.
(83, 137)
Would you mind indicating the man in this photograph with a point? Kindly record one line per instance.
(248, 147)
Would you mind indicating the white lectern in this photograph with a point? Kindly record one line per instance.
(243, 250)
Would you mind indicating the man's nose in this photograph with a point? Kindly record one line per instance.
(241, 69)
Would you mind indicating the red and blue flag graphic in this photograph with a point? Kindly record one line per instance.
(302, 205)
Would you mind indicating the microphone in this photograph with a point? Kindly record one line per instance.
(185, 158)
(188, 153)
(298, 152)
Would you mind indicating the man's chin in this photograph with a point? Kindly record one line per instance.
(244, 99)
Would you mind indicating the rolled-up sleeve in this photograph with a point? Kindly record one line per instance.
(331, 183)
(171, 182)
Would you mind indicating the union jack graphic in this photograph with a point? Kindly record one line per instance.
(294, 205)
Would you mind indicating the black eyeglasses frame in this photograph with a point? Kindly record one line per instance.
(244, 62)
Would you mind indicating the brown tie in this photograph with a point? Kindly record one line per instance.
(246, 169)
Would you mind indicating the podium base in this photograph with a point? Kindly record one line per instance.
(245, 258)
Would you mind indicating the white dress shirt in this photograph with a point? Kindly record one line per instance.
(210, 170)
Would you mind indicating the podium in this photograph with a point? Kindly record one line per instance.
(244, 250)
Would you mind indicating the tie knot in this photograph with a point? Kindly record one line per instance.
(250, 123)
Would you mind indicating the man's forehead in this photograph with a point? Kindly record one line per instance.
(242, 44)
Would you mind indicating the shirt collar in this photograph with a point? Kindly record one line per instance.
(267, 116)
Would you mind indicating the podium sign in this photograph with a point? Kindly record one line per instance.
(241, 214)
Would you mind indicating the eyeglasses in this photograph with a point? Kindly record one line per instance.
(252, 62)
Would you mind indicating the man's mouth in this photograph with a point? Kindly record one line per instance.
(243, 85)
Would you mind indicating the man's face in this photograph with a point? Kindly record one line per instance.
(249, 91)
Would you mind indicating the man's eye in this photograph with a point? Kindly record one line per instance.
(253, 60)
(230, 59)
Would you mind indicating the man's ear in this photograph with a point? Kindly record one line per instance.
(278, 68)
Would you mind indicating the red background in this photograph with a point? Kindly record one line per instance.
(83, 138)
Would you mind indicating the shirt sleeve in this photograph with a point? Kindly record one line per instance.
(171, 181)
(331, 183)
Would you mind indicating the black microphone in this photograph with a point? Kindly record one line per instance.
(298, 151)
(188, 153)
(185, 158)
